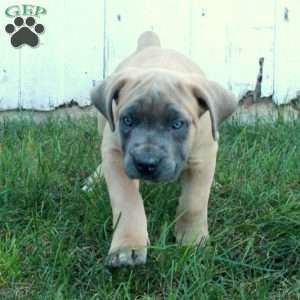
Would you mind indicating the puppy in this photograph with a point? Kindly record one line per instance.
(162, 116)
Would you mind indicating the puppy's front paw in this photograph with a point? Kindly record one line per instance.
(126, 257)
(87, 188)
(190, 236)
(89, 185)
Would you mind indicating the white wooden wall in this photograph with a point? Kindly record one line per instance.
(85, 40)
(65, 64)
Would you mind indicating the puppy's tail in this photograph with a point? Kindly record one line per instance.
(148, 39)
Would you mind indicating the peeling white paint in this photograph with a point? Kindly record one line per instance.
(85, 40)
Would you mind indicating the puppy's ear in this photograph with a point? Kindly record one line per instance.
(220, 102)
(103, 95)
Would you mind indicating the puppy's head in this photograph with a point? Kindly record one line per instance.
(156, 117)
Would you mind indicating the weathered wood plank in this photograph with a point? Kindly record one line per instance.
(287, 55)
(126, 20)
(10, 59)
(65, 64)
(250, 38)
(83, 48)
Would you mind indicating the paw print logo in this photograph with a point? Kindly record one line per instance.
(24, 32)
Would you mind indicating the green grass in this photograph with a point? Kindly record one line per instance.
(54, 237)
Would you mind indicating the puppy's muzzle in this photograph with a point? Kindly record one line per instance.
(146, 159)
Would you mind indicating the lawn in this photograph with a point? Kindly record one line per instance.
(54, 237)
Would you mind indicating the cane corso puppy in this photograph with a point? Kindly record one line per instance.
(161, 118)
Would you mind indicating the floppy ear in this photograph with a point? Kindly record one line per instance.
(220, 102)
(103, 95)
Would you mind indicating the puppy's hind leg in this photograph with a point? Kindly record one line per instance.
(90, 181)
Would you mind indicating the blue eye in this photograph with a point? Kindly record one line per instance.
(177, 124)
(127, 121)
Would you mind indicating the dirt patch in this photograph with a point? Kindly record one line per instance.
(266, 110)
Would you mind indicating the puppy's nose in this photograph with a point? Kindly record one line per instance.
(146, 163)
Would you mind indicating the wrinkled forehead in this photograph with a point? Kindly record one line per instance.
(158, 96)
(153, 106)
(151, 109)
